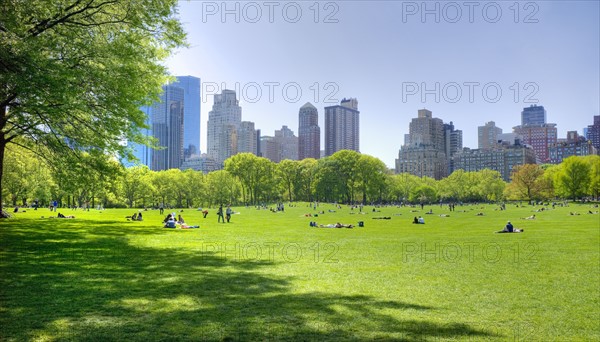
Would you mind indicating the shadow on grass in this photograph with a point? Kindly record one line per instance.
(73, 281)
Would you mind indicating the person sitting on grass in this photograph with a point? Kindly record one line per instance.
(139, 217)
(170, 223)
(421, 220)
(509, 228)
(416, 220)
(180, 219)
(134, 217)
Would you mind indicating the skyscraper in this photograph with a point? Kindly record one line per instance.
(430, 145)
(309, 132)
(224, 121)
(287, 143)
(533, 115)
(425, 153)
(191, 114)
(167, 128)
(342, 127)
(487, 135)
(534, 131)
(247, 138)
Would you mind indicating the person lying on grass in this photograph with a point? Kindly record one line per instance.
(510, 229)
(63, 216)
(532, 217)
(337, 225)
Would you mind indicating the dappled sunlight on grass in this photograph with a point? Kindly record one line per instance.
(100, 277)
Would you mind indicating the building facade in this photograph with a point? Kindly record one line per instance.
(593, 132)
(224, 121)
(247, 138)
(287, 143)
(573, 145)
(540, 138)
(487, 135)
(502, 158)
(533, 115)
(309, 132)
(191, 114)
(342, 127)
(167, 129)
(430, 142)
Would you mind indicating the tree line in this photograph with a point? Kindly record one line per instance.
(92, 178)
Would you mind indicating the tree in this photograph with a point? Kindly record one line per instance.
(347, 171)
(135, 184)
(371, 176)
(594, 162)
(288, 172)
(489, 185)
(73, 73)
(574, 179)
(527, 182)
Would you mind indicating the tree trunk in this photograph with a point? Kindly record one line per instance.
(2, 150)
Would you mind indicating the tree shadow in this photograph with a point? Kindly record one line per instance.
(63, 285)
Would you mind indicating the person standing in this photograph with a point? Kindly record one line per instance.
(228, 213)
(220, 214)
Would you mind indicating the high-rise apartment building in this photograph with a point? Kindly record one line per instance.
(309, 132)
(342, 127)
(167, 129)
(535, 132)
(191, 114)
(487, 135)
(593, 132)
(430, 143)
(224, 121)
(573, 145)
(247, 138)
(287, 143)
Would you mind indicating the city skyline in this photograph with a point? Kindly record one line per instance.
(393, 60)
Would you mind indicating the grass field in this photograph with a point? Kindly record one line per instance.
(269, 276)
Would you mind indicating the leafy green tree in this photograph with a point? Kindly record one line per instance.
(528, 183)
(347, 171)
(594, 188)
(194, 187)
(304, 180)
(222, 188)
(403, 185)
(574, 180)
(328, 184)
(489, 185)
(73, 73)
(288, 172)
(371, 176)
(135, 184)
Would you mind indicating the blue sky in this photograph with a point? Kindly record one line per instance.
(395, 61)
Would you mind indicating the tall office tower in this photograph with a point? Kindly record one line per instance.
(287, 143)
(533, 115)
(425, 153)
(191, 114)
(487, 135)
(269, 148)
(143, 153)
(167, 128)
(247, 138)
(309, 132)
(593, 132)
(534, 131)
(224, 121)
(342, 127)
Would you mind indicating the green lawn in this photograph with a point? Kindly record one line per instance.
(269, 276)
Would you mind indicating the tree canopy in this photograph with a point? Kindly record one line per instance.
(73, 73)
